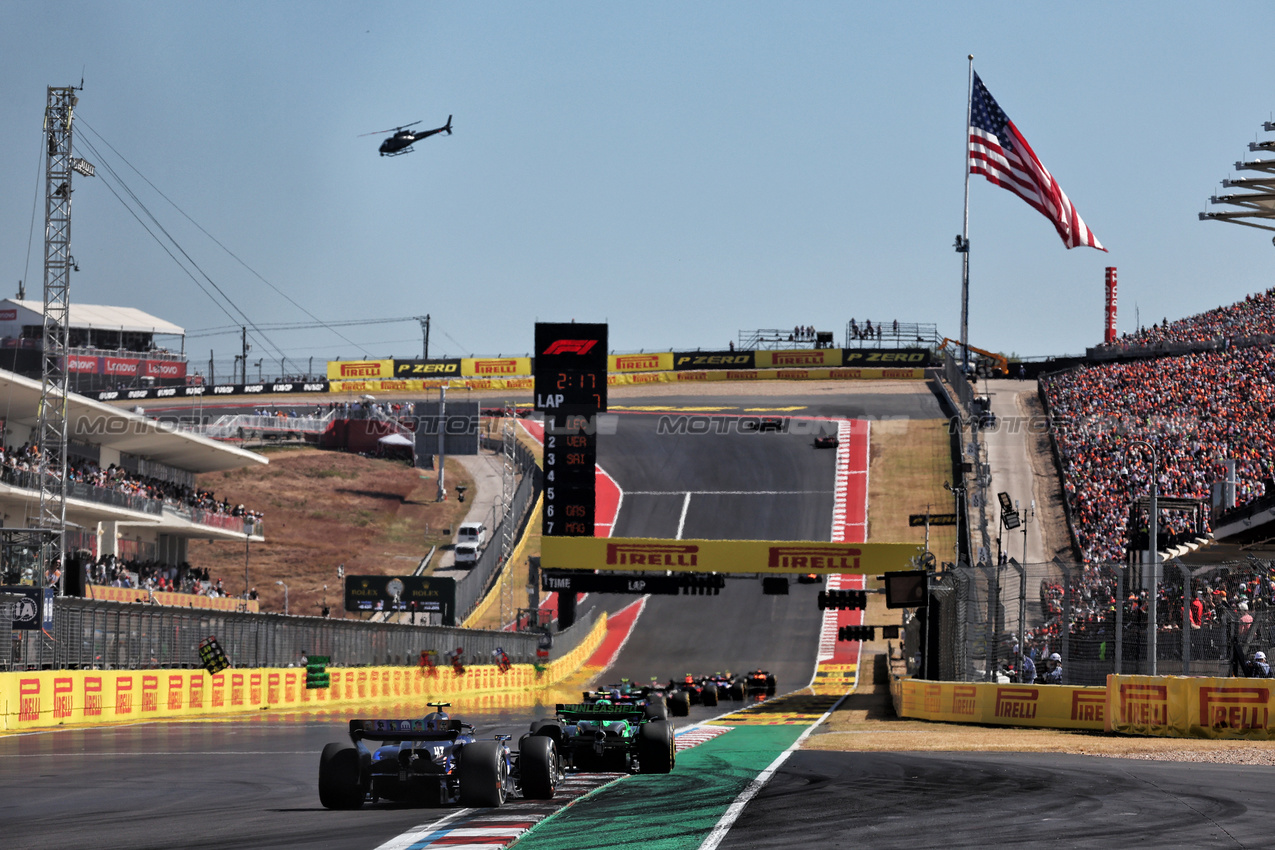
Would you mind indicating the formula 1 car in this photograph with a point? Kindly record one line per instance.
(759, 683)
(827, 441)
(602, 736)
(650, 699)
(434, 761)
(728, 686)
(697, 691)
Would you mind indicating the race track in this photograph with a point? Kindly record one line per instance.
(251, 782)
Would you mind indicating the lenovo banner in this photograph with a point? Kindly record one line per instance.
(684, 361)
(125, 367)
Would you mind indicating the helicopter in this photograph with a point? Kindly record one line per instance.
(401, 141)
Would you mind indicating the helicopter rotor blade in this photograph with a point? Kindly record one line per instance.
(391, 130)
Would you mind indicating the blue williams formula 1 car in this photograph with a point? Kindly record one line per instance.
(434, 761)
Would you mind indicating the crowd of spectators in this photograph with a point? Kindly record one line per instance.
(26, 459)
(1232, 609)
(868, 331)
(110, 571)
(1252, 317)
(1196, 411)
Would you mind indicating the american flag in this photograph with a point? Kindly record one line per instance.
(1001, 154)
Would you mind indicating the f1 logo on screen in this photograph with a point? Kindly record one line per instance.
(571, 346)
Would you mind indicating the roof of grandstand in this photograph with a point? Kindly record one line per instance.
(101, 317)
(95, 422)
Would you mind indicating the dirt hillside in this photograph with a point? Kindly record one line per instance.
(326, 508)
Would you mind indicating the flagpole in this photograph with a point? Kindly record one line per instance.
(963, 241)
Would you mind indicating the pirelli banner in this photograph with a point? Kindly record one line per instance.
(495, 367)
(47, 699)
(360, 370)
(400, 370)
(653, 362)
(1048, 706)
(416, 386)
(766, 557)
(1189, 707)
(708, 376)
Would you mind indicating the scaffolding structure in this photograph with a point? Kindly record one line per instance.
(509, 530)
(60, 166)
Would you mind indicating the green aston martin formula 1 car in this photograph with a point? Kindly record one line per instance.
(610, 737)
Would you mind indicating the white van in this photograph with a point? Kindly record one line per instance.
(466, 555)
(472, 532)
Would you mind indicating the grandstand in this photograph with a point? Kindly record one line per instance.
(109, 347)
(131, 490)
(1200, 391)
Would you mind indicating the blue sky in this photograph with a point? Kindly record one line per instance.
(683, 171)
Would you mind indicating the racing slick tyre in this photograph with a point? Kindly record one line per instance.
(548, 727)
(482, 772)
(679, 704)
(656, 747)
(340, 781)
(538, 766)
(709, 695)
(655, 711)
(770, 685)
(736, 691)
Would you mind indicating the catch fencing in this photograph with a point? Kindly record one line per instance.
(108, 635)
(1097, 617)
(89, 634)
(474, 585)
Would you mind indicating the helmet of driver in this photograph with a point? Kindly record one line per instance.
(437, 721)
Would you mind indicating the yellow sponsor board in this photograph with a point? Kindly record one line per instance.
(413, 385)
(495, 367)
(654, 362)
(1049, 706)
(767, 557)
(164, 597)
(842, 374)
(807, 358)
(1189, 707)
(40, 700)
(360, 370)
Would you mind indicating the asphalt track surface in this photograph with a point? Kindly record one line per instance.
(251, 783)
(919, 800)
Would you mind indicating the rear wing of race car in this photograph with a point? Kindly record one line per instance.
(403, 730)
(593, 711)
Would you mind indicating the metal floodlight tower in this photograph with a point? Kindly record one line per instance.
(58, 263)
(1256, 204)
(508, 537)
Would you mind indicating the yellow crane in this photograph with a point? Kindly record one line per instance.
(999, 364)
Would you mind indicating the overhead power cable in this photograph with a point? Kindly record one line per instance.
(214, 239)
